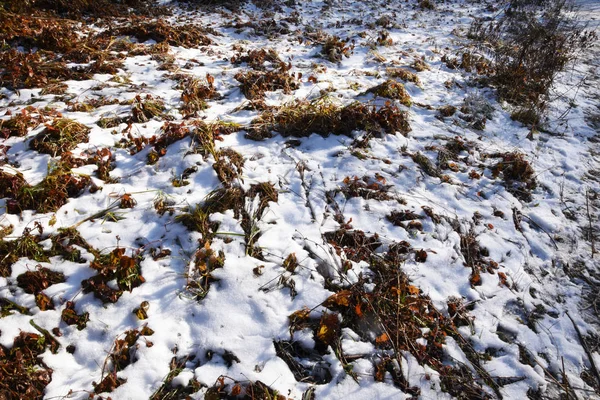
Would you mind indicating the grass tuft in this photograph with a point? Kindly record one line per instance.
(323, 117)
(392, 90)
(62, 135)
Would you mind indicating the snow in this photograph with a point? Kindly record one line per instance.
(244, 313)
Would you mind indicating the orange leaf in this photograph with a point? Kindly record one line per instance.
(381, 339)
(328, 328)
(341, 298)
(299, 316)
(357, 310)
(236, 390)
(413, 290)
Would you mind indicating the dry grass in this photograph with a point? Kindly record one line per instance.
(47, 196)
(195, 94)
(161, 31)
(392, 90)
(254, 84)
(23, 375)
(145, 109)
(62, 135)
(403, 74)
(323, 117)
(334, 49)
(517, 173)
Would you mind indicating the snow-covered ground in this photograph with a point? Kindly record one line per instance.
(524, 304)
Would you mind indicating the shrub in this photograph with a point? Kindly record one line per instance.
(530, 44)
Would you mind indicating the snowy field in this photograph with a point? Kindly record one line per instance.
(210, 248)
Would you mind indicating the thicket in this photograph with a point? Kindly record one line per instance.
(530, 43)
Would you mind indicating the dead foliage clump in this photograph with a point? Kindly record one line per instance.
(62, 135)
(526, 115)
(31, 32)
(70, 317)
(199, 276)
(66, 243)
(303, 118)
(476, 111)
(365, 187)
(34, 282)
(161, 31)
(23, 374)
(392, 90)
(169, 390)
(403, 74)
(447, 110)
(398, 217)
(266, 193)
(517, 173)
(18, 70)
(254, 84)
(27, 245)
(355, 244)
(121, 355)
(420, 65)
(469, 62)
(19, 124)
(426, 5)
(113, 266)
(306, 364)
(241, 390)
(205, 135)
(84, 8)
(385, 309)
(195, 94)
(426, 164)
(228, 166)
(334, 49)
(170, 133)
(259, 59)
(24, 246)
(47, 196)
(145, 109)
(476, 258)
(449, 155)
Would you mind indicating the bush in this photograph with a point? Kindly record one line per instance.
(530, 44)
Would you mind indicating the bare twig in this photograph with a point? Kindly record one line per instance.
(587, 205)
(586, 348)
